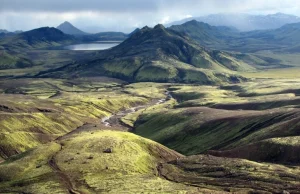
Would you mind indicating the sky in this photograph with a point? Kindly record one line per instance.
(126, 15)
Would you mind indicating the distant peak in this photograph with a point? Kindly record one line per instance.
(145, 28)
(193, 22)
(159, 26)
(66, 23)
(196, 23)
(69, 28)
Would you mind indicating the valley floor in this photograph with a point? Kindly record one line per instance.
(103, 135)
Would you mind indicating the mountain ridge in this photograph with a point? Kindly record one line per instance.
(37, 38)
(224, 38)
(245, 22)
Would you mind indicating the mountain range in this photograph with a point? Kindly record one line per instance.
(245, 22)
(225, 38)
(160, 55)
(70, 29)
(6, 33)
(194, 52)
(3, 31)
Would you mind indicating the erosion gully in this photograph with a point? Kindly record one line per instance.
(114, 121)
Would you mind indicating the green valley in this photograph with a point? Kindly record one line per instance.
(191, 108)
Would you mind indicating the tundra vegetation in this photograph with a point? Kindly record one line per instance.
(157, 114)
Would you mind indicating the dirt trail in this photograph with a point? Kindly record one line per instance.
(63, 176)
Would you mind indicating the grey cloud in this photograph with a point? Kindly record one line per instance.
(77, 5)
(130, 5)
(125, 15)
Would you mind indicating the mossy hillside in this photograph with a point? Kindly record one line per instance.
(169, 120)
(122, 68)
(130, 168)
(279, 60)
(10, 61)
(267, 87)
(131, 152)
(131, 118)
(32, 71)
(255, 95)
(231, 62)
(21, 131)
(233, 175)
(279, 73)
(196, 130)
(276, 150)
(157, 71)
(52, 108)
(192, 92)
(131, 165)
(30, 172)
(146, 89)
(35, 124)
(52, 88)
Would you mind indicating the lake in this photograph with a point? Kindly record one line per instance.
(99, 45)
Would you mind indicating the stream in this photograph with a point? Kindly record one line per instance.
(114, 120)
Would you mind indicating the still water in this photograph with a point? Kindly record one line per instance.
(99, 45)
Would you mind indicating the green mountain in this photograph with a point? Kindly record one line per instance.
(287, 35)
(224, 38)
(68, 28)
(37, 38)
(245, 22)
(161, 55)
(204, 34)
(13, 48)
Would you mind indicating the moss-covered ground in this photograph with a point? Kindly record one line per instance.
(257, 121)
(35, 111)
(228, 117)
(80, 163)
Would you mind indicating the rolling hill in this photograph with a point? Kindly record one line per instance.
(66, 166)
(101, 159)
(257, 121)
(12, 61)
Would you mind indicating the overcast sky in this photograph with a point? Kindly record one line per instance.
(126, 15)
